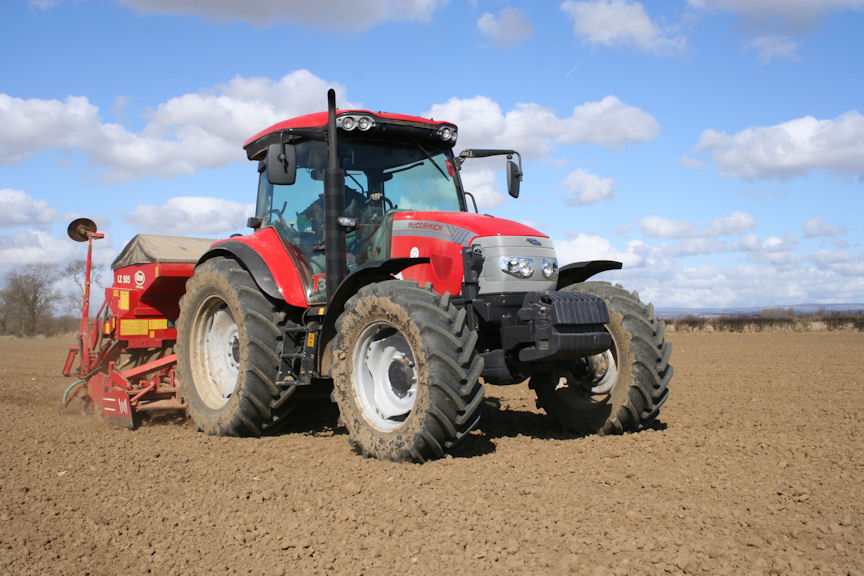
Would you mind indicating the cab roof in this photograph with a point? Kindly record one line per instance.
(257, 144)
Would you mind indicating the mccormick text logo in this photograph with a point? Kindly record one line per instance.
(412, 225)
(432, 229)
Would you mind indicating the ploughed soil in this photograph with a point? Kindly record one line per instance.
(755, 467)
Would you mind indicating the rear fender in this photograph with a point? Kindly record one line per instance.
(377, 271)
(581, 271)
(276, 271)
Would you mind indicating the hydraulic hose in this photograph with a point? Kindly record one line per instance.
(69, 389)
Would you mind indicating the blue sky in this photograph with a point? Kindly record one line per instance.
(716, 147)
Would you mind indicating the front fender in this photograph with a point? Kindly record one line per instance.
(275, 270)
(581, 271)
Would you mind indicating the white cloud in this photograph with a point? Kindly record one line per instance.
(339, 14)
(621, 23)
(772, 272)
(509, 29)
(593, 247)
(790, 149)
(775, 251)
(18, 208)
(778, 252)
(772, 47)
(192, 131)
(609, 122)
(694, 247)
(748, 243)
(688, 162)
(815, 227)
(659, 227)
(735, 223)
(205, 129)
(775, 21)
(27, 247)
(534, 130)
(30, 126)
(767, 272)
(483, 184)
(794, 15)
(587, 188)
(847, 265)
(186, 215)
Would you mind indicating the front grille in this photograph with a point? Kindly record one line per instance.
(570, 307)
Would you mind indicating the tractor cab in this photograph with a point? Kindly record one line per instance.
(391, 164)
(381, 179)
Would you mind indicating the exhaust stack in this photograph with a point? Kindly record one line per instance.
(334, 207)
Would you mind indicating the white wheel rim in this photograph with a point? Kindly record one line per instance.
(384, 376)
(592, 388)
(610, 373)
(216, 353)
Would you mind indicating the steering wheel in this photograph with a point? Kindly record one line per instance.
(279, 213)
(388, 204)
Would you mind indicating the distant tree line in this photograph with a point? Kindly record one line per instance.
(772, 319)
(30, 304)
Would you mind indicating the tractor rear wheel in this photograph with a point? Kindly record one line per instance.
(406, 374)
(228, 341)
(620, 390)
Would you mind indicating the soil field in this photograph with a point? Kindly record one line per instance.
(756, 467)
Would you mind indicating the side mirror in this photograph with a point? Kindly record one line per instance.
(281, 164)
(514, 177)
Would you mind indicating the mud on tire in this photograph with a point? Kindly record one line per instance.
(406, 375)
(229, 337)
(621, 390)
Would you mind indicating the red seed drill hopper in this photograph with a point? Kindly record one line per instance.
(126, 353)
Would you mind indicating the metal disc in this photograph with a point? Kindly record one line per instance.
(79, 229)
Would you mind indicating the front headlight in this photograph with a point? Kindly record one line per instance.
(518, 267)
(549, 267)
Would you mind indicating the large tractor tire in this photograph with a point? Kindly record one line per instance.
(229, 338)
(405, 374)
(620, 390)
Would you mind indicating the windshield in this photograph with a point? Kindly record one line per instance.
(407, 176)
(394, 177)
(380, 179)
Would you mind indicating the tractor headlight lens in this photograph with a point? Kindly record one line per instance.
(549, 267)
(348, 123)
(518, 267)
(447, 133)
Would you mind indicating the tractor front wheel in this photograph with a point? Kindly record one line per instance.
(406, 375)
(228, 343)
(620, 390)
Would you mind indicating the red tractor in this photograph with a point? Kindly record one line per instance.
(367, 271)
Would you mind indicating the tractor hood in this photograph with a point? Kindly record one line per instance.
(442, 237)
(459, 227)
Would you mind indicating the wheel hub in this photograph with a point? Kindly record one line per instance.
(385, 376)
(216, 340)
(604, 370)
